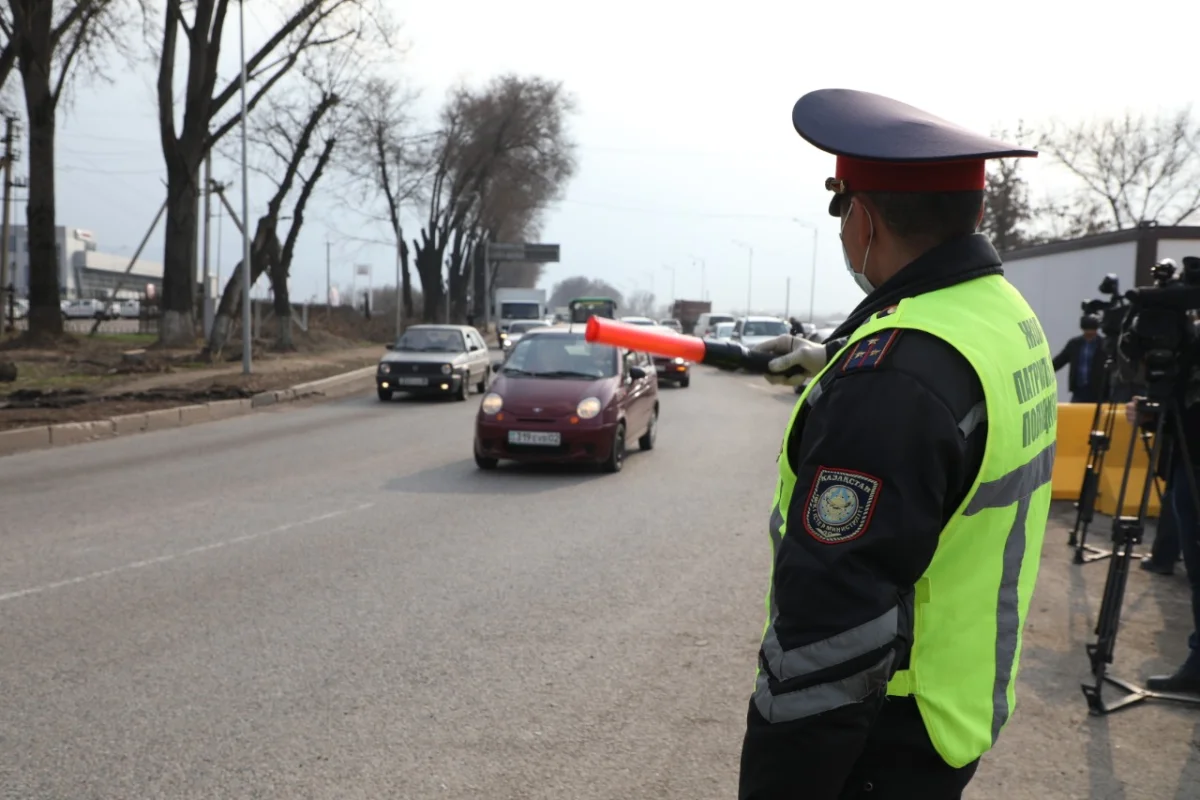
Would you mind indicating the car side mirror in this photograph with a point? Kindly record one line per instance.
(637, 373)
(496, 367)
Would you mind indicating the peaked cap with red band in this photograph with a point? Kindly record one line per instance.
(883, 145)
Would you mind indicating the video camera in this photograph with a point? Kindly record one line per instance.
(1161, 335)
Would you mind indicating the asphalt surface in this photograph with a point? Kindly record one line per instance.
(332, 602)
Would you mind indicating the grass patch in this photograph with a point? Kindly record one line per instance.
(140, 339)
(50, 375)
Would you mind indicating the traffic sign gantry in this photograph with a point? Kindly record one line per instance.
(523, 251)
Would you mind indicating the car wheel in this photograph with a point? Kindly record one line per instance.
(483, 462)
(683, 384)
(464, 387)
(616, 458)
(385, 395)
(487, 380)
(651, 434)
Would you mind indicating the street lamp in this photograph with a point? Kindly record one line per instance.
(247, 342)
(670, 268)
(749, 275)
(812, 289)
(696, 260)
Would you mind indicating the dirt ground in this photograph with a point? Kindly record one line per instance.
(88, 379)
(1052, 749)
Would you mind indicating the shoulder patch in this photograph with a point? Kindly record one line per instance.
(840, 504)
(869, 353)
(887, 312)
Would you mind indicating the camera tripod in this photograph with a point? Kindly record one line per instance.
(1099, 440)
(1127, 532)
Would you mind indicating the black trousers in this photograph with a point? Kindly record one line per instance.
(899, 762)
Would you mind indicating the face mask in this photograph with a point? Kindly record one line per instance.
(859, 277)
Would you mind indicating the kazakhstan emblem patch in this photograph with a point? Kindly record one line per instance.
(840, 504)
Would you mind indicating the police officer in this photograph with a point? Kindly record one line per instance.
(914, 480)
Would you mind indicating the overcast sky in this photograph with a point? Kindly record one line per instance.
(684, 123)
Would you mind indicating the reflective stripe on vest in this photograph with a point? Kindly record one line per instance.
(971, 602)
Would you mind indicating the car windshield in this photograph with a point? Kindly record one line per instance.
(768, 327)
(431, 340)
(561, 356)
(522, 327)
(723, 329)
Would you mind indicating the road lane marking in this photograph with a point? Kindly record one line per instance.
(104, 573)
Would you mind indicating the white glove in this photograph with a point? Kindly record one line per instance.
(792, 351)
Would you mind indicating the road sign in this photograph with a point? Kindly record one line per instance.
(541, 253)
(533, 253)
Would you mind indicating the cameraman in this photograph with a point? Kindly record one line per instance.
(1085, 355)
(1187, 523)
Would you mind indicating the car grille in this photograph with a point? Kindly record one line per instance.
(401, 368)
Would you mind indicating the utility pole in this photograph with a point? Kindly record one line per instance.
(328, 283)
(6, 281)
(205, 310)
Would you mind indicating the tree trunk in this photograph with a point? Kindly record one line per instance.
(283, 308)
(178, 323)
(405, 280)
(429, 261)
(45, 311)
(264, 250)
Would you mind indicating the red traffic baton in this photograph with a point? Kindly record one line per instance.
(729, 355)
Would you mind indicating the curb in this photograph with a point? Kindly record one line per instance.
(22, 440)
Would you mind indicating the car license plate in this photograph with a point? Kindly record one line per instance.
(660, 368)
(541, 438)
(412, 381)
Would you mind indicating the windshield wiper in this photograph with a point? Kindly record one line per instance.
(566, 373)
(516, 371)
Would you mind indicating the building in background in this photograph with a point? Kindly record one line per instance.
(84, 271)
(1056, 278)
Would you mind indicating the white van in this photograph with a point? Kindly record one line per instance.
(707, 324)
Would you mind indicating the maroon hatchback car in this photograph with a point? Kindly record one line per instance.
(557, 398)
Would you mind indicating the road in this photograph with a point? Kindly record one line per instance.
(332, 602)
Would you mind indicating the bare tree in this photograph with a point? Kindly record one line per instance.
(386, 164)
(1007, 210)
(47, 41)
(580, 286)
(285, 131)
(641, 303)
(207, 113)
(513, 131)
(1138, 168)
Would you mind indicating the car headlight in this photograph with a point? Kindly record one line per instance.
(384, 369)
(492, 403)
(447, 369)
(679, 361)
(588, 407)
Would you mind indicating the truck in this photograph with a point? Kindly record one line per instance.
(688, 313)
(518, 304)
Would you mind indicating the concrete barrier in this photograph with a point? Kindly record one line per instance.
(22, 440)
(1071, 455)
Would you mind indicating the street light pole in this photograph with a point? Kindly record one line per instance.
(247, 338)
(812, 289)
(671, 269)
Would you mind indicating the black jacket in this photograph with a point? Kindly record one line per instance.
(1071, 353)
(901, 423)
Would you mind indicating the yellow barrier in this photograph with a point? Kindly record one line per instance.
(1074, 424)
